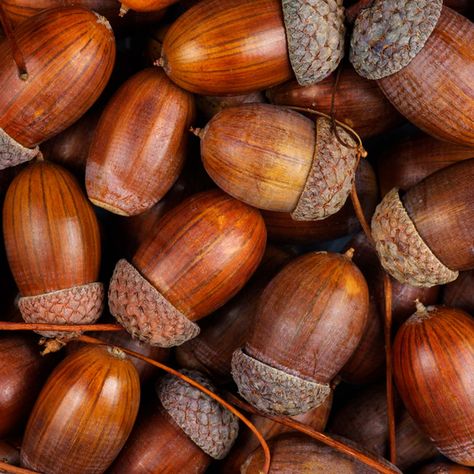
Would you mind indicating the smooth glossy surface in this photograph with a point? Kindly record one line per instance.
(146, 5)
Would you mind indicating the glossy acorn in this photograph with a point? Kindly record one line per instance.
(459, 293)
(276, 159)
(53, 247)
(144, 6)
(69, 45)
(139, 145)
(182, 431)
(310, 319)
(84, 413)
(420, 53)
(199, 255)
(433, 358)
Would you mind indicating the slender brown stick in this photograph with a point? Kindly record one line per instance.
(9, 326)
(323, 438)
(261, 439)
(14, 469)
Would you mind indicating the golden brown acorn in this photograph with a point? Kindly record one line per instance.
(84, 413)
(53, 247)
(199, 255)
(459, 293)
(276, 159)
(433, 358)
(139, 145)
(310, 319)
(69, 45)
(420, 53)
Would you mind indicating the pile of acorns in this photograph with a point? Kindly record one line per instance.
(190, 179)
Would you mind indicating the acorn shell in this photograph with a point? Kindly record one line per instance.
(144, 5)
(459, 293)
(84, 413)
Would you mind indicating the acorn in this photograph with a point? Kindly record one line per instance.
(354, 96)
(53, 247)
(143, 5)
(199, 255)
(276, 159)
(139, 145)
(425, 236)
(183, 431)
(228, 328)
(459, 293)
(420, 53)
(310, 319)
(441, 467)
(432, 365)
(69, 45)
(84, 413)
(9, 453)
(411, 158)
(232, 47)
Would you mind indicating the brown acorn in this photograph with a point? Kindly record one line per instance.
(233, 47)
(276, 159)
(84, 413)
(69, 45)
(420, 52)
(199, 255)
(143, 5)
(459, 293)
(9, 453)
(182, 433)
(432, 365)
(425, 236)
(139, 145)
(354, 97)
(310, 319)
(53, 247)
(441, 467)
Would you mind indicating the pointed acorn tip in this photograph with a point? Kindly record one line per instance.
(160, 62)
(197, 131)
(349, 253)
(420, 307)
(123, 10)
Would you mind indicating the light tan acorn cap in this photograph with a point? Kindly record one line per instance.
(213, 428)
(77, 305)
(13, 153)
(315, 37)
(331, 175)
(274, 391)
(402, 251)
(389, 34)
(144, 312)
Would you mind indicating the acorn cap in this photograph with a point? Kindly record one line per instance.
(389, 34)
(315, 37)
(274, 391)
(144, 312)
(213, 428)
(331, 175)
(402, 251)
(13, 153)
(77, 305)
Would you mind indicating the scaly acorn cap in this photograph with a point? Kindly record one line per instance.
(402, 251)
(144, 312)
(13, 153)
(213, 428)
(331, 175)
(315, 37)
(275, 391)
(389, 34)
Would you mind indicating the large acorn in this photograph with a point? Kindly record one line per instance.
(310, 319)
(276, 159)
(433, 357)
(65, 46)
(426, 236)
(139, 144)
(181, 432)
(198, 256)
(231, 47)
(53, 247)
(420, 52)
(84, 413)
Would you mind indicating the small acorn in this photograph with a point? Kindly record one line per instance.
(53, 247)
(69, 45)
(459, 293)
(199, 255)
(182, 431)
(420, 53)
(233, 47)
(425, 236)
(139, 145)
(84, 413)
(432, 365)
(276, 159)
(310, 319)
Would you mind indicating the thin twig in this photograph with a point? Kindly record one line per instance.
(5, 467)
(9, 326)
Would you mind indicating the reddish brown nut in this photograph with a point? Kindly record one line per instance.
(459, 293)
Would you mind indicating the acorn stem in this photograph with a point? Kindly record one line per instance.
(349, 253)
(420, 307)
(160, 62)
(197, 131)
